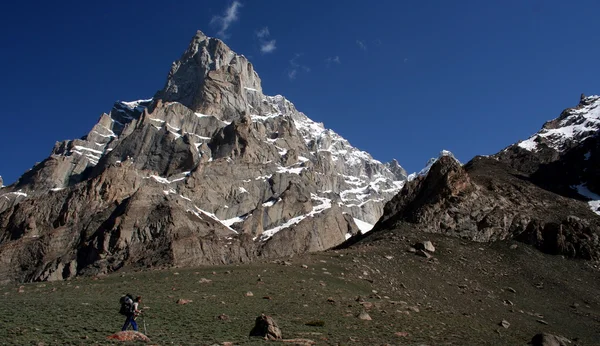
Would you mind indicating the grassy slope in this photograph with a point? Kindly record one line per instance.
(460, 297)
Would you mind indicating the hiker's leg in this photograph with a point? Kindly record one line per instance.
(134, 324)
(127, 321)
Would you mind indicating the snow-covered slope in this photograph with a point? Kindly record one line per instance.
(572, 127)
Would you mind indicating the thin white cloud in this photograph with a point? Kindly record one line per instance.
(263, 33)
(361, 44)
(223, 22)
(268, 47)
(332, 59)
(295, 66)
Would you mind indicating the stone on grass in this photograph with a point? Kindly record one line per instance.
(364, 316)
(129, 335)
(249, 294)
(183, 301)
(424, 253)
(505, 324)
(546, 339)
(266, 327)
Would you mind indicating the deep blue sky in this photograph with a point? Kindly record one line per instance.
(411, 77)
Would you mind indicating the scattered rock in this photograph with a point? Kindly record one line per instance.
(367, 305)
(223, 317)
(249, 294)
(183, 301)
(413, 308)
(304, 266)
(510, 289)
(364, 316)
(411, 249)
(267, 297)
(425, 245)
(330, 300)
(266, 327)
(424, 253)
(204, 281)
(401, 334)
(508, 302)
(505, 324)
(129, 335)
(389, 257)
(546, 339)
(542, 322)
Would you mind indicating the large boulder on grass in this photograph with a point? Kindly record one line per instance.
(266, 327)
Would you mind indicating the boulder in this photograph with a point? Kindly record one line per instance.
(266, 327)
(546, 339)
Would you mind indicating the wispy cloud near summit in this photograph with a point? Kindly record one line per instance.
(295, 67)
(332, 59)
(266, 45)
(223, 22)
(361, 44)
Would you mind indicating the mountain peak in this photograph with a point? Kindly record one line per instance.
(207, 71)
(572, 127)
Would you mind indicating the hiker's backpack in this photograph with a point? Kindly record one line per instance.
(126, 305)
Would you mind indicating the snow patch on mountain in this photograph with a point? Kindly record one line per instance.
(364, 227)
(594, 202)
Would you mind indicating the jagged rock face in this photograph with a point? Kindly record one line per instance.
(209, 78)
(210, 171)
(487, 201)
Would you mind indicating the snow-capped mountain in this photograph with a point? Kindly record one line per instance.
(564, 155)
(571, 128)
(209, 170)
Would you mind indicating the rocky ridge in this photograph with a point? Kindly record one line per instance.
(536, 191)
(208, 171)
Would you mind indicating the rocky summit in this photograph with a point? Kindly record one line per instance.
(208, 171)
(542, 191)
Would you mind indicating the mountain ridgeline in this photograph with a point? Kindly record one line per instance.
(208, 171)
(543, 191)
(212, 171)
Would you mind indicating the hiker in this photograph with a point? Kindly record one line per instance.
(133, 314)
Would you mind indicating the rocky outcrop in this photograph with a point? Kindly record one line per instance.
(209, 171)
(487, 201)
(541, 191)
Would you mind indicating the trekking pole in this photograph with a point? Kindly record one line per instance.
(144, 321)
